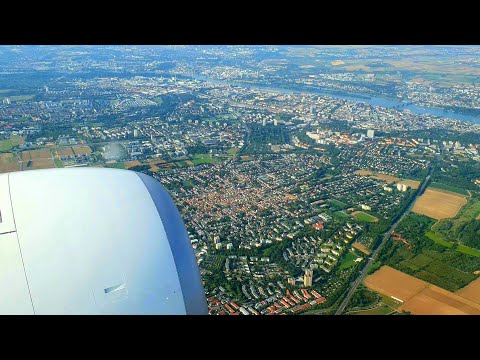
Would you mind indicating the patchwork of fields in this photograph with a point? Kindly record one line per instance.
(418, 296)
(40, 158)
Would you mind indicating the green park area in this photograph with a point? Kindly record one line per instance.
(9, 144)
(199, 159)
(19, 98)
(461, 233)
(341, 214)
(187, 184)
(348, 260)
(58, 163)
(367, 302)
(338, 204)
(233, 151)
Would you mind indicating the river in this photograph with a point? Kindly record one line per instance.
(371, 100)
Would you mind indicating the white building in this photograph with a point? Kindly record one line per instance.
(365, 207)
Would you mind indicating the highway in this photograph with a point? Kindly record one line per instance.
(377, 250)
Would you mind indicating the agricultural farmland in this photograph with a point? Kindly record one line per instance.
(449, 188)
(35, 154)
(39, 163)
(385, 177)
(418, 296)
(36, 159)
(130, 164)
(428, 256)
(361, 248)
(471, 291)
(82, 150)
(438, 204)
(65, 152)
(8, 163)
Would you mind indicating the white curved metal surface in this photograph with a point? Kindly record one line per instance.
(92, 241)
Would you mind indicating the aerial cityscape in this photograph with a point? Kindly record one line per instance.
(312, 180)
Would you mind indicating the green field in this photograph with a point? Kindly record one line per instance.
(463, 229)
(199, 159)
(361, 216)
(449, 188)
(21, 97)
(233, 151)
(116, 165)
(431, 256)
(469, 212)
(387, 300)
(438, 239)
(338, 203)
(375, 266)
(181, 164)
(187, 184)
(421, 260)
(407, 266)
(215, 262)
(348, 261)
(158, 100)
(386, 306)
(445, 276)
(468, 250)
(58, 163)
(341, 214)
(9, 144)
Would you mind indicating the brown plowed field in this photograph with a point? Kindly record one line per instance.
(82, 150)
(471, 291)
(419, 297)
(386, 177)
(35, 154)
(361, 247)
(130, 164)
(363, 172)
(438, 204)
